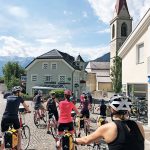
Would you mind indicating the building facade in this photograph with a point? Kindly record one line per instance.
(135, 54)
(58, 70)
(98, 78)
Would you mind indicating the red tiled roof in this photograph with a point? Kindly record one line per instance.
(120, 4)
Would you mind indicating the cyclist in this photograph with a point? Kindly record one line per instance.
(38, 104)
(65, 120)
(52, 109)
(90, 99)
(10, 115)
(81, 99)
(102, 107)
(85, 113)
(120, 134)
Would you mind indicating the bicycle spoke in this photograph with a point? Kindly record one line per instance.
(25, 137)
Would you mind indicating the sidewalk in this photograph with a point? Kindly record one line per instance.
(147, 132)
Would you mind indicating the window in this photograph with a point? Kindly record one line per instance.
(48, 78)
(140, 53)
(124, 29)
(113, 31)
(45, 66)
(54, 66)
(33, 77)
(61, 79)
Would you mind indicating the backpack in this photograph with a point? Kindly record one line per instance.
(67, 142)
(11, 138)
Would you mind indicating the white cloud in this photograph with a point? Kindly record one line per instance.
(14, 47)
(46, 41)
(104, 9)
(17, 11)
(104, 31)
(85, 15)
(67, 12)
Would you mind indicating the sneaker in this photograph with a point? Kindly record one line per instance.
(48, 132)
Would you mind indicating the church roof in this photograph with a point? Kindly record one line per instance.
(79, 58)
(119, 6)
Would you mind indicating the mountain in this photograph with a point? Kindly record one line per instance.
(104, 58)
(23, 61)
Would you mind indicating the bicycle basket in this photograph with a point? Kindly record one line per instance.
(11, 138)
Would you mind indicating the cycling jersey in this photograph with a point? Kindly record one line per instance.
(65, 108)
(85, 110)
(52, 109)
(127, 140)
(38, 99)
(103, 110)
(12, 106)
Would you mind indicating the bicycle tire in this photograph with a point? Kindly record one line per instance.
(25, 137)
(53, 130)
(36, 121)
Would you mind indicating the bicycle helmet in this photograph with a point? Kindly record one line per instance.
(120, 103)
(52, 93)
(40, 92)
(16, 89)
(67, 92)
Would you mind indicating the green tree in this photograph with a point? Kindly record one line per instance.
(12, 72)
(116, 74)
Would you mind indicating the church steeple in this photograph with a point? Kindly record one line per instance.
(121, 26)
(119, 5)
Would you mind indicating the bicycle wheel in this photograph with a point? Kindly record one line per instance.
(53, 129)
(45, 117)
(25, 137)
(36, 121)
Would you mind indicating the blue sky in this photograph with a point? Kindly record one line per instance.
(33, 27)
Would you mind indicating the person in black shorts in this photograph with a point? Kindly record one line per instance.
(52, 109)
(10, 116)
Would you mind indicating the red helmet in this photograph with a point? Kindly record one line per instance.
(67, 92)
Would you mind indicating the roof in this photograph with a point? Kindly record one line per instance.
(56, 54)
(119, 6)
(104, 58)
(99, 65)
(79, 58)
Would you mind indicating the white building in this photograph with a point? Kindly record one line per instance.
(135, 54)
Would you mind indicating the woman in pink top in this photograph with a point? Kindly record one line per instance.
(65, 120)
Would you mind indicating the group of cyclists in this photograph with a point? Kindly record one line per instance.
(120, 134)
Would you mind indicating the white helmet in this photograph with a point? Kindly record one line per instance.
(16, 89)
(40, 92)
(120, 103)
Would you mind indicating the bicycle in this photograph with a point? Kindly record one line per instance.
(38, 120)
(65, 141)
(25, 133)
(100, 145)
(52, 125)
(83, 123)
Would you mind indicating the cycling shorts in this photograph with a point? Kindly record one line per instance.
(65, 126)
(55, 113)
(38, 106)
(6, 122)
(85, 113)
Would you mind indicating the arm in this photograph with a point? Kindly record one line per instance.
(141, 129)
(26, 106)
(75, 109)
(107, 131)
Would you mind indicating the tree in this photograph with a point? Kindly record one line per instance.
(116, 74)
(12, 72)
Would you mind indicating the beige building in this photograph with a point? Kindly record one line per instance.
(135, 54)
(98, 78)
